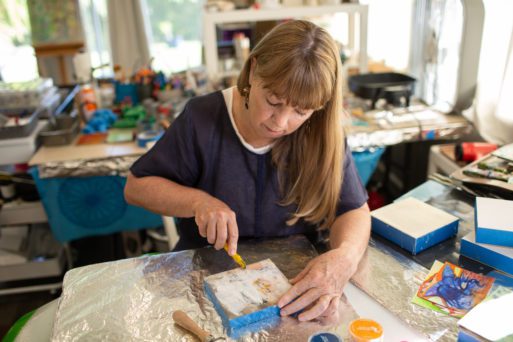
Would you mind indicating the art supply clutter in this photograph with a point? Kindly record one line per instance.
(29, 94)
(491, 174)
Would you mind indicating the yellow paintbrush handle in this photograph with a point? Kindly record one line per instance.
(236, 257)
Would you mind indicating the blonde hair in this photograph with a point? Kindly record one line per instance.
(300, 62)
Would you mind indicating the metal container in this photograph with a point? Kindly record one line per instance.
(60, 130)
(27, 118)
(27, 122)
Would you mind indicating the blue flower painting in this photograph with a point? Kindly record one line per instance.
(455, 289)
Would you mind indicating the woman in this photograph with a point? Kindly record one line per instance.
(264, 159)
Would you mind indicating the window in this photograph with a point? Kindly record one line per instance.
(175, 29)
(389, 32)
(17, 60)
(96, 30)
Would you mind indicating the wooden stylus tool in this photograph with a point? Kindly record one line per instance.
(183, 320)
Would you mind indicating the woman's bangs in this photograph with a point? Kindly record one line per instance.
(304, 88)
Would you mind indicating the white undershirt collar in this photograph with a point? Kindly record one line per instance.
(228, 99)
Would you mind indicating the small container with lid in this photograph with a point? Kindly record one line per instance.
(324, 336)
(365, 330)
(7, 189)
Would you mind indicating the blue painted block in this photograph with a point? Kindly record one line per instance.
(246, 299)
(413, 225)
(494, 221)
(498, 257)
(251, 322)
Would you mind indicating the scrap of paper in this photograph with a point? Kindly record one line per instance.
(437, 265)
(491, 319)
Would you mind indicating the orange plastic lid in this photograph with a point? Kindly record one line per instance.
(365, 330)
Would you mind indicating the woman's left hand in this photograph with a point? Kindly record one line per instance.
(319, 286)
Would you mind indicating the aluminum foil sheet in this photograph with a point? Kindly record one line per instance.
(133, 299)
(392, 279)
(115, 166)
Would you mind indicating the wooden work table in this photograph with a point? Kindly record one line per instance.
(94, 151)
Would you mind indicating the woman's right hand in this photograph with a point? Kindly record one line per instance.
(217, 222)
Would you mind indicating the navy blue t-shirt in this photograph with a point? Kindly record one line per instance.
(201, 150)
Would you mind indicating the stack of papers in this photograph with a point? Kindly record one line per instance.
(505, 152)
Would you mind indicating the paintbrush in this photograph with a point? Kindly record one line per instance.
(236, 257)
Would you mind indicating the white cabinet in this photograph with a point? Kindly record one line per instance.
(211, 19)
(38, 241)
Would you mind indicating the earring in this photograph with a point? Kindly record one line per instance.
(245, 93)
(307, 126)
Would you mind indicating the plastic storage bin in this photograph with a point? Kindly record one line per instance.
(366, 163)
(27, 94)
(20, 150)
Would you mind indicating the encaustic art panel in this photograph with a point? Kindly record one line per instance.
(245, 296)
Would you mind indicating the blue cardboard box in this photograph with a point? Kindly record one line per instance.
(413, 224)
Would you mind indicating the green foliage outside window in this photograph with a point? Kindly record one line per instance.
(14, 21)
(172, 19)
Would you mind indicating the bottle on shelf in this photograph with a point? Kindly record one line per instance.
(241, 45)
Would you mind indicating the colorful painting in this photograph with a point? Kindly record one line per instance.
(455, 290)
(241, 292)
(54, 22)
